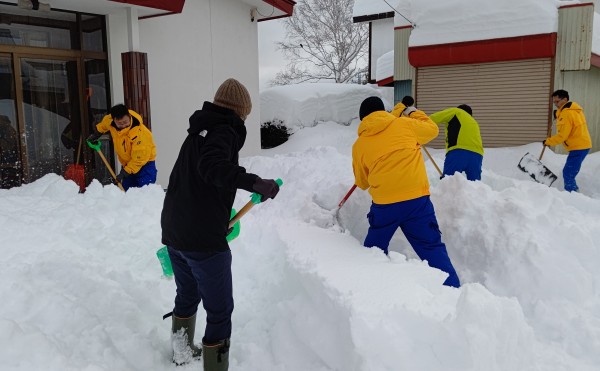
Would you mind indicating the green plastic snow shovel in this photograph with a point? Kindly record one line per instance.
(234, 226)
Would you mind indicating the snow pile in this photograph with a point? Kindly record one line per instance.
(385, 66)
(306, 105)
(83, 290)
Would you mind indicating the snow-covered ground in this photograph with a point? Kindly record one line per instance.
(82, 287)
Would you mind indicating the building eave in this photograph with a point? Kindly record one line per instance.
(171, 6)
(372, 17)
(484, 51)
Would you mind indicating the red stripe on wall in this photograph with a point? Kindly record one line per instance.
(495, 50)
(175, 6)
(386, 82)
(595, 60)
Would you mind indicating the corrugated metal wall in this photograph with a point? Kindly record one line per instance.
(573, 71)
(402, 69)
(574, 38)
(510, 100)
(584, 88)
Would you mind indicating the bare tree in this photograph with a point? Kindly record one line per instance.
(323, 43)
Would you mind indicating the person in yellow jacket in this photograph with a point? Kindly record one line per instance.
(464, 148)
(387, 160)
(573, 134)
(133, 144)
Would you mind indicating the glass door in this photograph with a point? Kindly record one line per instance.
(51, 115)
(10, 165)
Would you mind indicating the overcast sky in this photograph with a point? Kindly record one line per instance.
(270, 59)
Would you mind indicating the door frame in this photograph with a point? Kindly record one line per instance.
(16, 53)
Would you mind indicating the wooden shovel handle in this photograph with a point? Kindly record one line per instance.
(431, 158)
(110, 169)
(541, 154)
(241, 213)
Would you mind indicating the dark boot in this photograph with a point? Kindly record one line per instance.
(216, 356)
(182, 340)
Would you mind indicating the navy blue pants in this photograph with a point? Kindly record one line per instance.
(205, 277)
(572, 167)
(461, 160)
(417, 220)
(146, 175)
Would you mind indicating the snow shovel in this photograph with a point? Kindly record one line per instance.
(97, 148)
(536, 170)
(233, 232)
(76, 172)
(432, 161)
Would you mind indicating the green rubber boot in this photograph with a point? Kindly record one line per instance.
(182, 340)
(216, 356)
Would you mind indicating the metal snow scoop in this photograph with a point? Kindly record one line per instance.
(536, 170)
(96, 147)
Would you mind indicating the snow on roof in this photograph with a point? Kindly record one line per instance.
(385, 66)
(305, 105)
(370, 7)
(439, 22)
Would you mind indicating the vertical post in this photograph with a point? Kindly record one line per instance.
(136, 87)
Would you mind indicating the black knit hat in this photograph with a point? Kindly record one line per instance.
(370, 105)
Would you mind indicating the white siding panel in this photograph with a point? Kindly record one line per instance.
(510, 100)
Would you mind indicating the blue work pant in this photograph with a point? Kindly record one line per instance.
(572, 167)
(461, 160)
(206, 277)
(417, 220)
(146, 175)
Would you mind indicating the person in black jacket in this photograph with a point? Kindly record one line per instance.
(195, 220)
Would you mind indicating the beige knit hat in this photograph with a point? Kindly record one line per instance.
(233, 95)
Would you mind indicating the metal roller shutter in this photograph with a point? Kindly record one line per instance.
(510, 100)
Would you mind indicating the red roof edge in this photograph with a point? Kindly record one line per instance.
(173, 6)
(493, 50)
(595, 60)
(389, 81)
(286, 6)
(575, 5)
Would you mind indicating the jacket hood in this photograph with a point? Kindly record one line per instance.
(375, 123)
(571, 106)
(211, 116)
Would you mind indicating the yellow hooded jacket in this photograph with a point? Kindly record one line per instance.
(387, 159)
(572, 129)
(134, 144)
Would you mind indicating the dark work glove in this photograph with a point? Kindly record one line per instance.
(408, 101)
(94, 136)
(267, 188)
(122, 175)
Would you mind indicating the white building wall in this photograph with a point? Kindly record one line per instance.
(118, 42)
(189, 55)
(382, 41)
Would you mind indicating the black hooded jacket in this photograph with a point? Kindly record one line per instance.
(204, 180)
